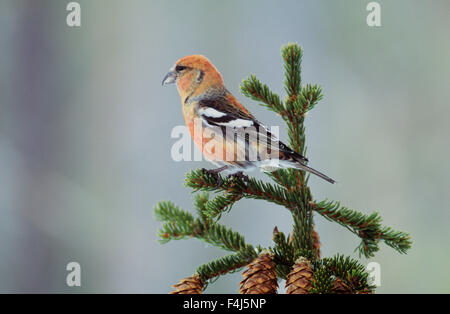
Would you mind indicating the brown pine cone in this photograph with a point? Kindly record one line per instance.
(291, 238)
(260, 276)
(190, 285)
(316, 242)
(340, 287)
(299, 279)
(365, 291)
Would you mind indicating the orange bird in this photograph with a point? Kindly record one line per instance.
(226, 133)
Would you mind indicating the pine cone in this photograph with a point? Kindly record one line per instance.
(291, 238)
(299, 279)
(340, 287)
(316, 242)
(190, 285)
(355, 285)
(260, 276)
(365, 291)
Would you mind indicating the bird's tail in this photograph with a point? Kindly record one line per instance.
(297, 161)
(314, 171)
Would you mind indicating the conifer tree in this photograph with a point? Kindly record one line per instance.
(294, 257)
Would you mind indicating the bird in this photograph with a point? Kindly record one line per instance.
(226, 133)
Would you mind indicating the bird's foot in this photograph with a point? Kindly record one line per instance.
(239, 175)
(215, 174)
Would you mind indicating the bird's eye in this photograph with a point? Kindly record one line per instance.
(180, 68)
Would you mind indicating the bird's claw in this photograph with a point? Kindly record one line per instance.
(239, 175)
(215, 175)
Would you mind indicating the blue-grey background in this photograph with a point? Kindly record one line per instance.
(85, 133)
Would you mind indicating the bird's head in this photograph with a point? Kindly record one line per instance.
(193, 75)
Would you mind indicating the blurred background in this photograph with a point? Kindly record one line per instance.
(85, 134)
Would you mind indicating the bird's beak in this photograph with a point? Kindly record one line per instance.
(170, 78)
